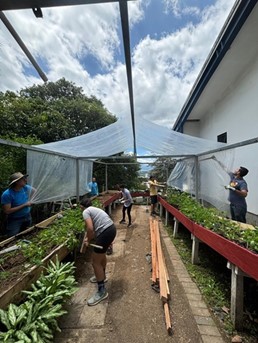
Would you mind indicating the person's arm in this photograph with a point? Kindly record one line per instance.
(32, 192)
(89, 231)
(241, 192)
(121, 196)
(8, 209)
(221, 164)
(158, 185)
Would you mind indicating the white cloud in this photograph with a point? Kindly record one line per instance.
(164, 69)
(136, 10)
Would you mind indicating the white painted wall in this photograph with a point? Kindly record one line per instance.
(192, 129)
(237, 114)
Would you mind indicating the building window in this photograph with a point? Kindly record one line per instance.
(222, 138)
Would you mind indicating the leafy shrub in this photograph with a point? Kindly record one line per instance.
(35, 320)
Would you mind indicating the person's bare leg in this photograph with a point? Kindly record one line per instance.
(99, 262)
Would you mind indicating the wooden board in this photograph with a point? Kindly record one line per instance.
(41, 225)
(48, 221)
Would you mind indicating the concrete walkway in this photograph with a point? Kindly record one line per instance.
(87, 324)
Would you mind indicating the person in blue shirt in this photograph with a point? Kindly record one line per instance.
(238, 191)
(16, 202)
(93, 187)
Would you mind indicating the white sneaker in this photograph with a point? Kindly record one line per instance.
(94, 280)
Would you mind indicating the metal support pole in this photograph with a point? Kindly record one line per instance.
(176, 223)
(166, 217)
(23, 46)
(195, 250)
(77, 181)
(196, 162)
(106, 177)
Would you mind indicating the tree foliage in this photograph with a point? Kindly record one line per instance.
(51, 112)
(119, 171)
(162, 168)
(45, 113)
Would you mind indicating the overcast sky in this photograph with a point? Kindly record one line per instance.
(170, 41)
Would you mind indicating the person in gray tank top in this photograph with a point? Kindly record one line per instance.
(100, 227)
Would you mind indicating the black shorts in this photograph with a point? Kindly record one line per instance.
(153, 199)
(105, 239)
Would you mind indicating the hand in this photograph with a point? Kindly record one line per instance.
(230, 187)
(86, 242)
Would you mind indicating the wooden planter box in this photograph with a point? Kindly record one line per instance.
(241, 257)
(183, 219)
(13, 294)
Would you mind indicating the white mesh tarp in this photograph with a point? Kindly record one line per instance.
(160, 141)
(107, 141)
(57, 178)
(211, 181)
(118, 137)
(63, 171)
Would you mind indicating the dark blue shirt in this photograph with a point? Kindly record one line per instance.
(238, 184)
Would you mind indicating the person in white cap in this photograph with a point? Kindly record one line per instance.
(16, 201)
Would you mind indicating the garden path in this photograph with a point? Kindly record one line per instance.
(133, 312)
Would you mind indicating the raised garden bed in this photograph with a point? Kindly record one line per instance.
(239, 250)
(19, 268)
(54, 237)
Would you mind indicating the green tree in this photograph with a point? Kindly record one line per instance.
(53, 91)
(51, 112)
(119, 171)
(13, 158)
(162, 168)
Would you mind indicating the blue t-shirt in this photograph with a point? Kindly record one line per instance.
(93, 186)
(239, 184)
(17, 198)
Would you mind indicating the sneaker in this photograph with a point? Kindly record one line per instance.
(122, 221)
(109, 251)
(129, 225)
(97, 298)
(94, 280)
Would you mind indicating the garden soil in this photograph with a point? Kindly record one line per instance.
(133, 312)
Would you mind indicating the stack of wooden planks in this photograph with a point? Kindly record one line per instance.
(160, 276)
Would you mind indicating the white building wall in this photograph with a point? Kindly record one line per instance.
(192, 128)
(237, 114)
